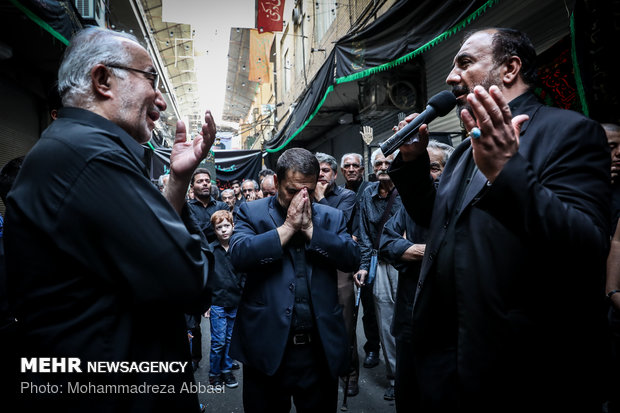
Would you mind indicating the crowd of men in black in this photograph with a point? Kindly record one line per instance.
(484, 271)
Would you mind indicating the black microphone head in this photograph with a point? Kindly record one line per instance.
(443, 102)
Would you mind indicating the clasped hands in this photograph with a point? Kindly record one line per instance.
(298, 218)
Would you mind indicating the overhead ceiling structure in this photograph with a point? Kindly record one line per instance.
(175, 43)
(176, 51)
(172, 46)
(240, 91)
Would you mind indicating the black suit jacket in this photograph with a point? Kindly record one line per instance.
(264, 316)
(399, 233)
(529, 260)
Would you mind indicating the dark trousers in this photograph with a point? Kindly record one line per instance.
(437, 377)
(302, 376)
(346, 298)
(369, 320)
(193, 325)
(613, 388)
(406, 386)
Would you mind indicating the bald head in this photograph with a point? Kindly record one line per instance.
(268, 186)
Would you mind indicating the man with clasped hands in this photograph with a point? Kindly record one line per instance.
(290, 333)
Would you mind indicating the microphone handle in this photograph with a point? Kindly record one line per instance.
(395, 141)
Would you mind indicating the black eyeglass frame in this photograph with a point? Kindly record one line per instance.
(155, 75)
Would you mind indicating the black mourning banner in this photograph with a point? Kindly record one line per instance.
(236, 165)
(229, 164)
(403, 28)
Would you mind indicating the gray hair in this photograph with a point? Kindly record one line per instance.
(445, 149)
(376, 153)
(256, 187)
(611, 127)
(325, 158)
(228, 191)
(357, 155)
(88, 48)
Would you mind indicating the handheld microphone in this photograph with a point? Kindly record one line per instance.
(439, 105)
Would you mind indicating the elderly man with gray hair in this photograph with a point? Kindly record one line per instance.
(101, 266)
(228, 197)
(327, 192)
(250, 190)
(379, 202)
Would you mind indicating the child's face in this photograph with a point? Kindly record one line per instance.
(224, 230)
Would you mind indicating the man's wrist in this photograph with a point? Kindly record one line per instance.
(288, 228)
(176, 191)
(614, 299)
(611, 293)
(308, 232)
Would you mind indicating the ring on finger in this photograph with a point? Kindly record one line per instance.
(474, 133)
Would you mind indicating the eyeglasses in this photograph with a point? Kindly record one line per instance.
(435, 167)
(152, 76)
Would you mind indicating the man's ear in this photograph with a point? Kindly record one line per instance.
(512, 69)
(275, 181)
(101, 80)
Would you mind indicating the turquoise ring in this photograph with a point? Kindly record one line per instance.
(474, 133)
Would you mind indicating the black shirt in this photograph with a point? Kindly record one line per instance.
(303, 319)
(342, 199)
(202, 215)
(353, 223)
(371, 208)
(100, 266)
(225, 283)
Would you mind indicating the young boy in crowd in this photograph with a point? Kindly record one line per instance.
(226, 286)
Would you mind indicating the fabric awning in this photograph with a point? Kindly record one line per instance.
(406, 30)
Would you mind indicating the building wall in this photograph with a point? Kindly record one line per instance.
(300, 39)
(545, 22)
(260, 119)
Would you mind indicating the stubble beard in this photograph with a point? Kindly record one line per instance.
(492, 78)
(137, 128)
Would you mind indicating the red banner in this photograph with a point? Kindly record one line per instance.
(269, 15)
